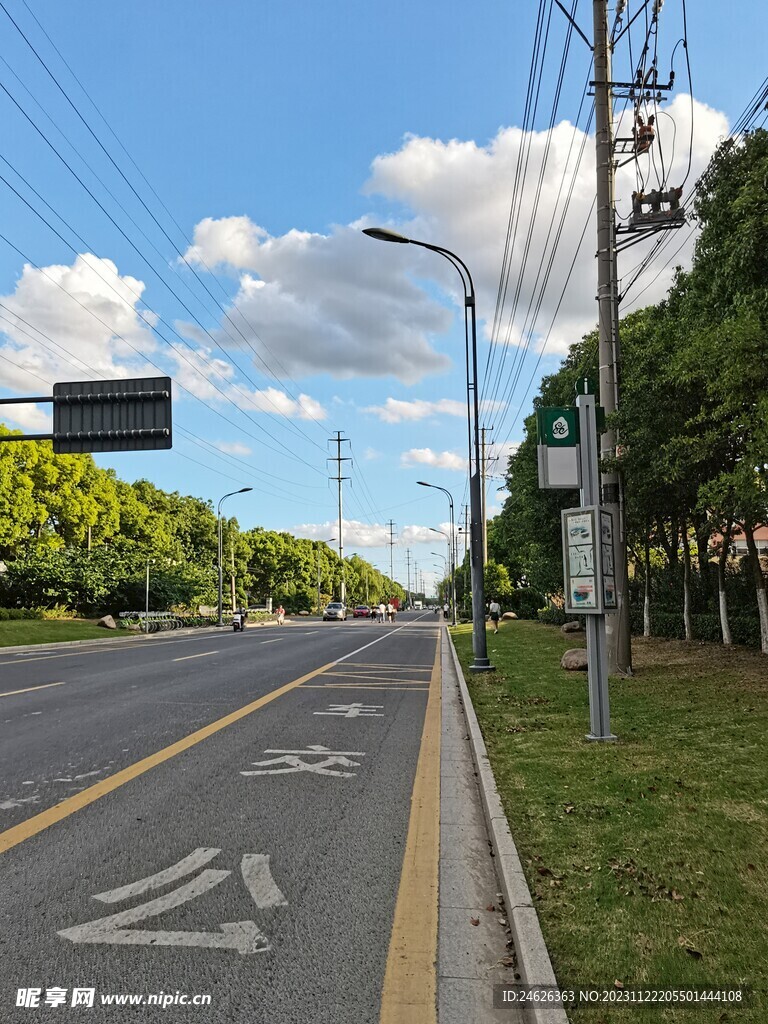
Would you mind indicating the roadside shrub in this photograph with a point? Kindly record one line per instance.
(552, 616)
(525, 602)
(745, 629)
(16, 614)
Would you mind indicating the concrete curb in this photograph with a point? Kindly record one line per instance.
(532, 955)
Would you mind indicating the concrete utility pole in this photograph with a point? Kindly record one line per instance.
(617, 623)
(338, 459)
(485, 459)
(408, 563)
(391, 542)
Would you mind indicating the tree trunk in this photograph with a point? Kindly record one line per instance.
(687, 620)
(647, 587)
(723, 601)
(671, 552)
(762, 598)
(703, 533)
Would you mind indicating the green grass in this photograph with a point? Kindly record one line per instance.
(47, 631)
(646, 858)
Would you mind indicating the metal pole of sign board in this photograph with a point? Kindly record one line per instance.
(597, 655)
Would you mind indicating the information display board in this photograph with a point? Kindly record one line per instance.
(590, 587)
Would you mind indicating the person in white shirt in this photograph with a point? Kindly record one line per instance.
(495, 610)
(382, 612)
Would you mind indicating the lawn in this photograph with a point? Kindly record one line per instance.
(647, 858)
(47, 631)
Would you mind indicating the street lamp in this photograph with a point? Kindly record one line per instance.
(242, 490)
(318, 568)
(479, 639)
(451, 551)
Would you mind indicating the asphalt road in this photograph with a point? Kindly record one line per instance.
(139, 857)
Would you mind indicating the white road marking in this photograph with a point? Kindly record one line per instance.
(243, 936)
(353, 710)
(29, 689)
(275, 641)
(291, 763)
(197, 859)
(261, 885)
(188, 657)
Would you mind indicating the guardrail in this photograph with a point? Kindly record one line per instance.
(156, 622)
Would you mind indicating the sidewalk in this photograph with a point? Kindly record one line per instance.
(472, 957)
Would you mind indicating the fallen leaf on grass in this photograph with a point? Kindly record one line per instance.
(506, 961)
(544, 871)
(569, 808)
(618, 984)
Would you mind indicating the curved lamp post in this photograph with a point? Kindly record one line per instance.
(479, 639)
(242, 490)
(451, 551)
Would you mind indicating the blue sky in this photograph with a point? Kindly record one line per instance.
(272, 133)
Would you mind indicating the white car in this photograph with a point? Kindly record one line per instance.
(336, 611)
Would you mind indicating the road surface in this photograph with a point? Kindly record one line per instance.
(217, 815)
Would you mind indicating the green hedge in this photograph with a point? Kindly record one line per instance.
(745, 629)
(525, 602)
(8, 614)
(552, 616)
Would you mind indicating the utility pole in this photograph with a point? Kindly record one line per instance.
(391, 542)
(408, 563)
(617, 623)
(338, 459)
(484, 460)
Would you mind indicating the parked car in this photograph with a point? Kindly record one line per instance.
(335, 611)
(361, 612)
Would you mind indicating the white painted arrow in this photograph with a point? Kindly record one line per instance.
(244, 936)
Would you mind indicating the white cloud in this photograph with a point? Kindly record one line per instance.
(428, 457)
(233, 448)
(371, 454)
(395, 411)
(77, 346)
(425, 535)
(356, 534)
(364, 535)
(30, 418)
(342, 304)
(427, 175)
(325, 303)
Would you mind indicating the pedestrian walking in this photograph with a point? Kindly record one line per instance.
(495, 610)
(390, 612)
(446, 610)
(280, 615)
(381, 612)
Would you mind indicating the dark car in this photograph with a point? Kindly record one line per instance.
(361, 612)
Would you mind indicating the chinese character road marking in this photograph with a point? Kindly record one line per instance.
(295, 763)
(244, 936)
(353, 710)
(83, 996)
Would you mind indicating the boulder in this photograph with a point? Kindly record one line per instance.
(107, 622)
(509, 615)
(571, 627)
(575, 660)
(303, 613)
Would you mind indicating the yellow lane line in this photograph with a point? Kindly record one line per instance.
(29, 689)
(26, 829)
(409, 995)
